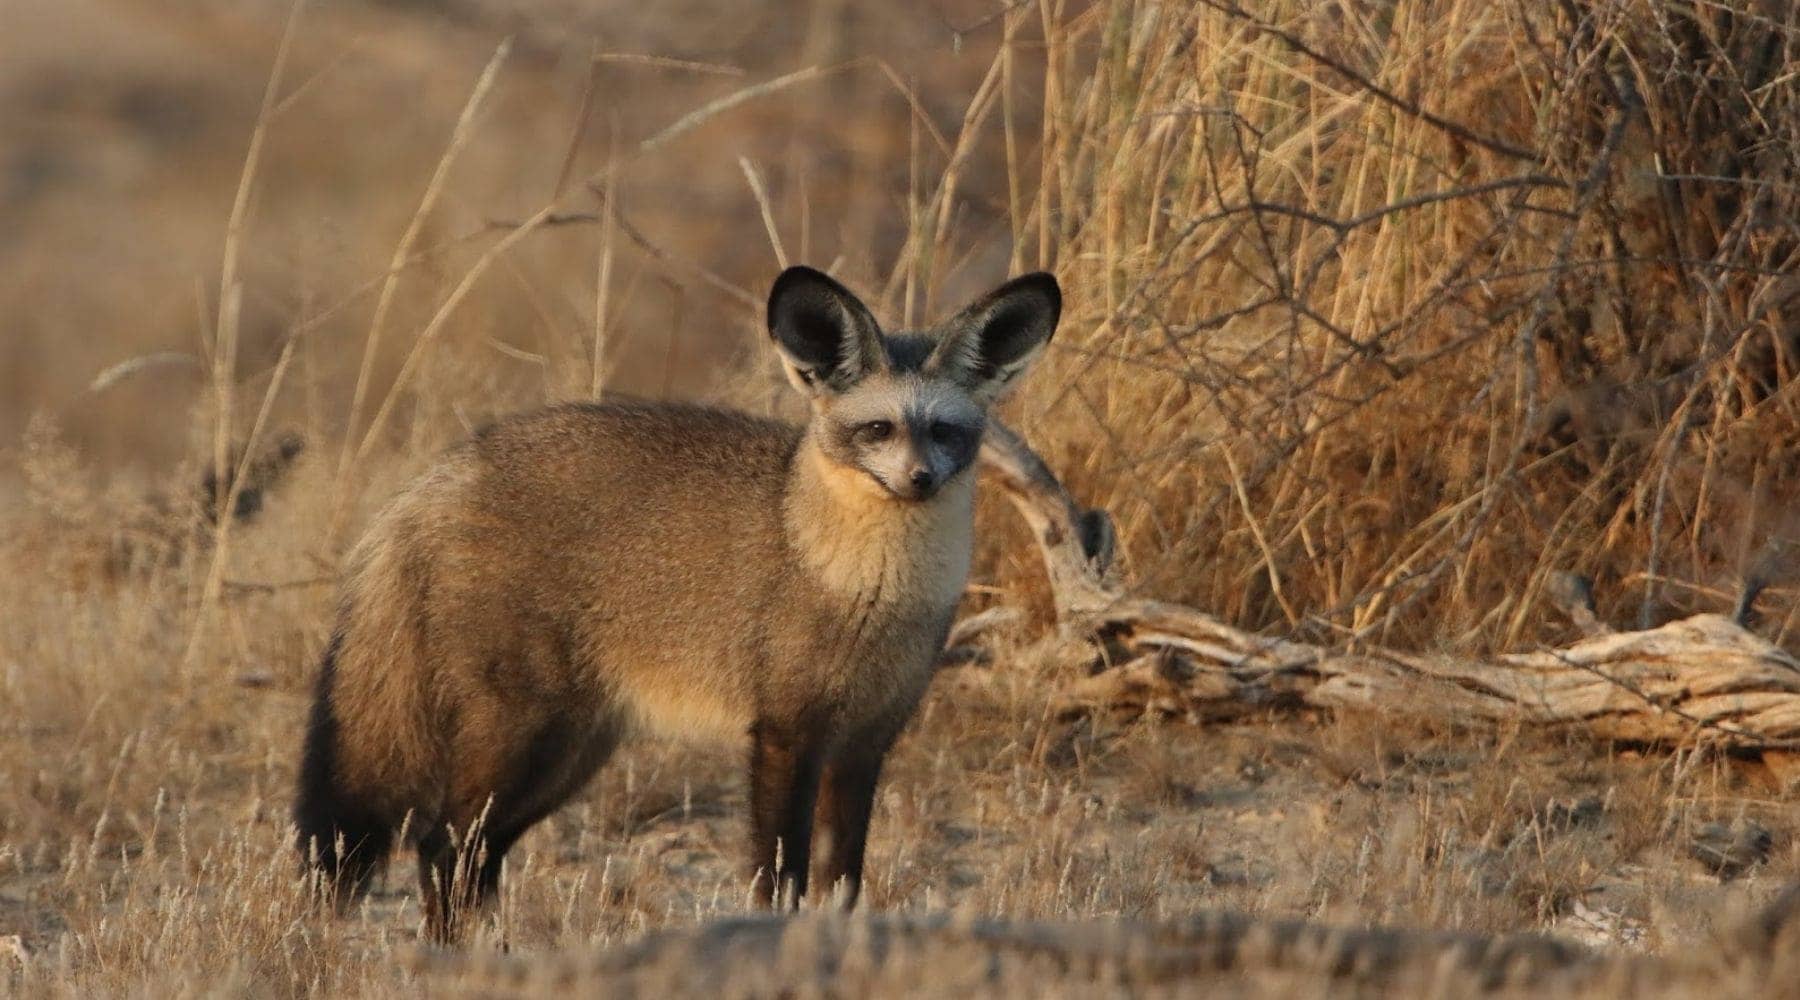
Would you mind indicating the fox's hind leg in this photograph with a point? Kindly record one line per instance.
(499, 793)
(558, 762)
(442, 893)
(454, 846)
(454, 866)
(457, 875)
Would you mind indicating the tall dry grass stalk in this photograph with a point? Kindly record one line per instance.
(227, 476)
(403, 252)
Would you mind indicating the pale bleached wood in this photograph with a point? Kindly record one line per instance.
(1704, 679)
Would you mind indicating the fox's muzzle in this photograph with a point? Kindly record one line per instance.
(917, 485)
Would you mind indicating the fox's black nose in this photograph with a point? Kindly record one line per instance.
(921, 480)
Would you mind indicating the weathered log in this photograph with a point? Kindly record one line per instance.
(897, 954)
(1702, 680)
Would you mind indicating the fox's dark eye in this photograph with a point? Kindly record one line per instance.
(944, 433)
(875, 430)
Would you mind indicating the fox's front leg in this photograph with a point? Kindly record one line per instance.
(784, 785)
(846, 799)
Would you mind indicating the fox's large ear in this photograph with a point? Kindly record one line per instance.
(989, 344)
(827, 338)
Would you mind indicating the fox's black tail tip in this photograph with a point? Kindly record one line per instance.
(339, 839)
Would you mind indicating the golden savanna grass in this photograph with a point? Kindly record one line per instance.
(1378, 314)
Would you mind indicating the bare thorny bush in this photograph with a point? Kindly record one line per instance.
(1388, 311)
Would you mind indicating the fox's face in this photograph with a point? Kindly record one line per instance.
(906, 410)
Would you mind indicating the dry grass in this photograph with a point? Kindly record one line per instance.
(1342, 367)
(1378, 314)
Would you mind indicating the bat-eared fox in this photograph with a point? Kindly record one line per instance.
(569, 577)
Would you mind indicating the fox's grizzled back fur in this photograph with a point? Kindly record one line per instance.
(571, 576)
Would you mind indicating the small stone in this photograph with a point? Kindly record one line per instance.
(1566, 814)
(1236, 871)
(1729, 850)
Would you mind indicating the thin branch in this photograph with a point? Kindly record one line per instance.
(1412, 108)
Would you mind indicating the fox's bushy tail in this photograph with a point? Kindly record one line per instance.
(344, 840)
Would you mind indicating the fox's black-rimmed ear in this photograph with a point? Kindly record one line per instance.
(989, 344)
(828, 339)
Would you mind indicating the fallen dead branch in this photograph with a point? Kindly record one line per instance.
(1702, 680)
